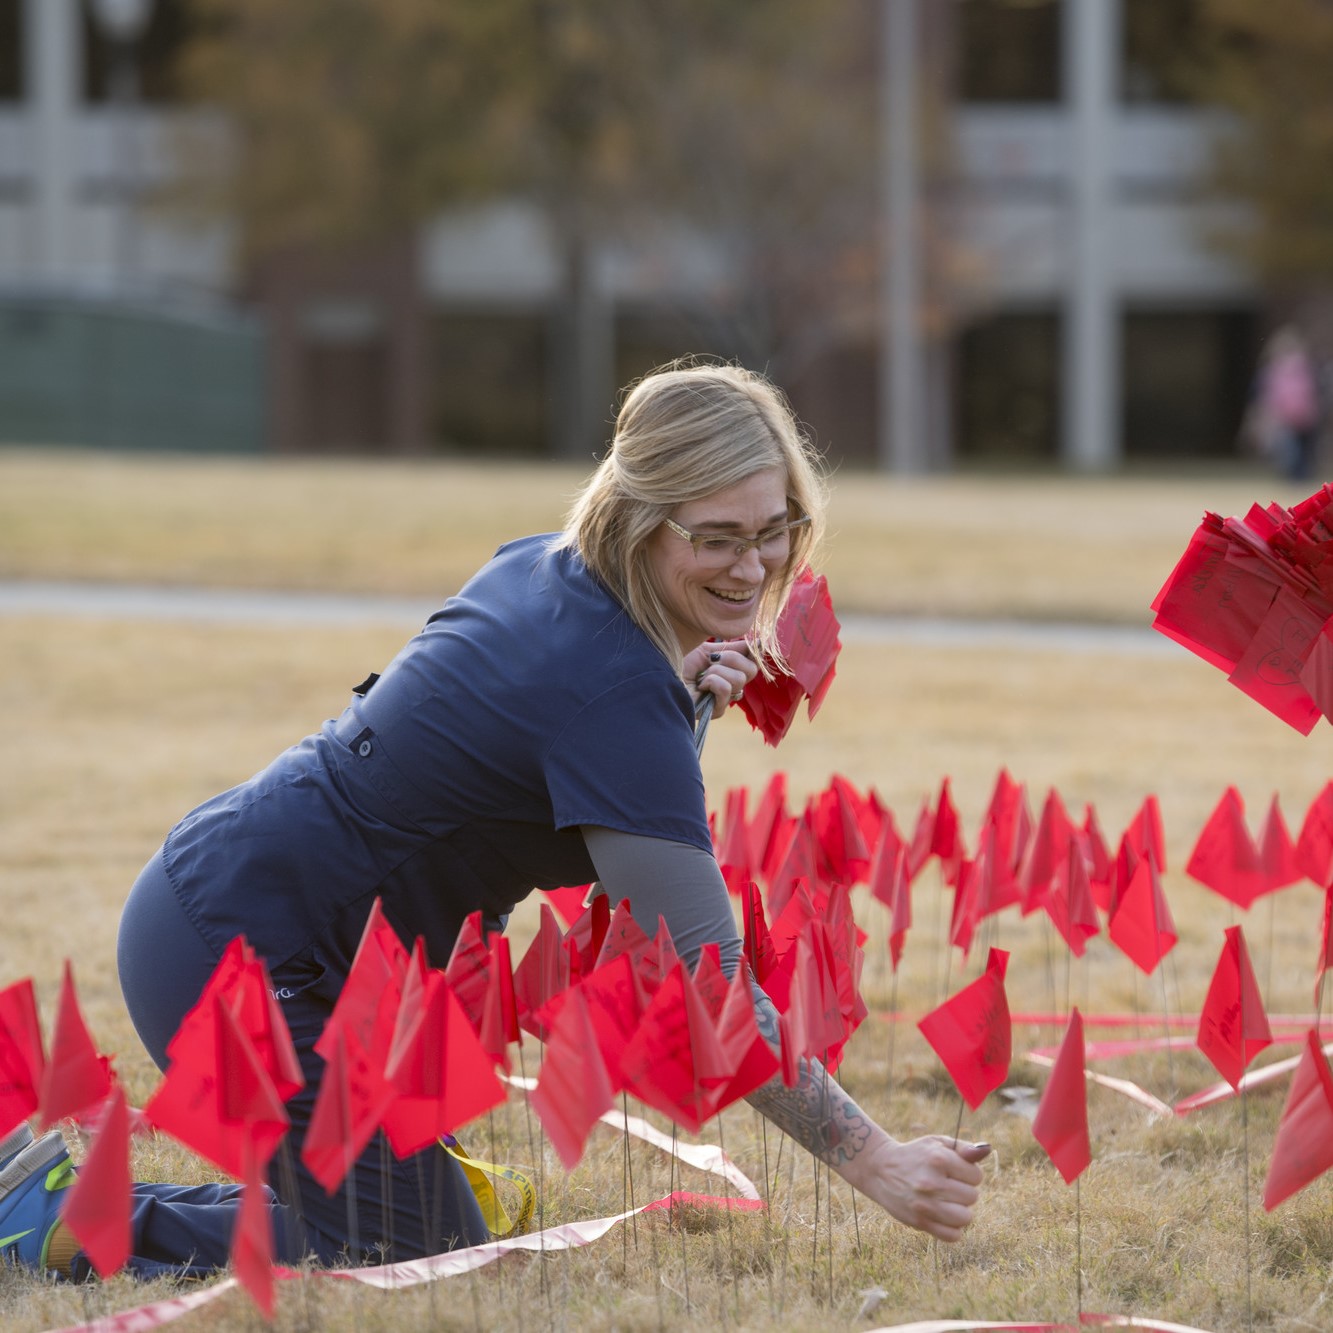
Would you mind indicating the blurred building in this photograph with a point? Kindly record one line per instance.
(1083, 320)
(117, 327)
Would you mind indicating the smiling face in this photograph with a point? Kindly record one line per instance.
(706, 599)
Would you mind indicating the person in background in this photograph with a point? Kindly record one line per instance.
(1286, 411)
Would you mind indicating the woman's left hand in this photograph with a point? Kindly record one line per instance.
(723, 668)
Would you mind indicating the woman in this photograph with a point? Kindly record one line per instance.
(538, 732)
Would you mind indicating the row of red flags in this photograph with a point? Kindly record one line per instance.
(414, 1050)
(1053, 863)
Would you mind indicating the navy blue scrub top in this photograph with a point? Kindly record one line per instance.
(529, 704)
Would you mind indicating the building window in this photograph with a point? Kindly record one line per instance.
(1009, 50)
(156, 55)
(1187, 375)
(11, 50)
(490, 382)
(1008, 377)
(1161, 50)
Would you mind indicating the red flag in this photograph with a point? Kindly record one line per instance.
(1097, 857)
(807, 634)
(438, 1067)
(22, 1059)
(1277, 852)
(1225, 858)
(1233, 1027)
(889, 860)
(573, 1089)
(1061, 1122)
(588, 933)
(837, 824)
(1303, 1148)
(807, 631)
(568, 902)
(770, 815)
(971, 1033)
(499, 1014)
(918, 850)
(889, 882)
(1010, 829)
(241, 979)
(791, 924)
(661, 958)
(614, 997)
(1325, 943)
(1141, 925)
(624, 935)
(1145, 834)
(252, 1241)
(97, 1209)
(541, 973)
(368, 1002)
(744, 1045)
(468, 970)
(759, 951)
(799, 865)
(248, 1104)
(1048, 852)
(336, 1137)
(946, 837)
(76, 1077)
(709, 981)
(1070, 905)
(218, 1096)
(674, 1060)
(968, 895)
(733, 851)
(815, 977)
(1314, 845)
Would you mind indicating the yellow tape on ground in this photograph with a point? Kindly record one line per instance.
(478, 1176)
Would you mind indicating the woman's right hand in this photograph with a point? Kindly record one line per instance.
(930, 1183)
(722, 668)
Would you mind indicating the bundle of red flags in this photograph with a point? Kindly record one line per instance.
(1254, 596)
(807, 634)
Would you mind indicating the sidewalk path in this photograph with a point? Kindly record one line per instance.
(121, 601)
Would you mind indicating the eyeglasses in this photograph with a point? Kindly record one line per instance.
(715, 548)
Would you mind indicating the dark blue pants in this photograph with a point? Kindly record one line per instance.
(387, 1210)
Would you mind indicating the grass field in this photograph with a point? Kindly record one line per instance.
(115, 728)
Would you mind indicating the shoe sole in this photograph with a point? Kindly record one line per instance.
(37, 1158)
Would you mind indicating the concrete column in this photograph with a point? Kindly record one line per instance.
(903, 446)
(1090, 380)
(53, 63)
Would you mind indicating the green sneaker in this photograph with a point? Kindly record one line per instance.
(32, 1187)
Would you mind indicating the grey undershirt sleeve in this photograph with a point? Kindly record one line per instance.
(680, 883)
(683, 885)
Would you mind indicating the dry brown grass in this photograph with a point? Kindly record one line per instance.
(115, 728)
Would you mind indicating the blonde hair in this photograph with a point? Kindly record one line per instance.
(683, 432)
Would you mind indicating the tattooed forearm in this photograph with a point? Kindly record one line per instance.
(816, 1112)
